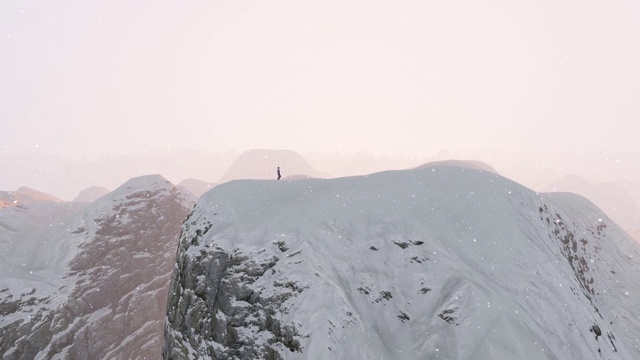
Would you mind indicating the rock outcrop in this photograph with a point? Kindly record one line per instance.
(109, 266)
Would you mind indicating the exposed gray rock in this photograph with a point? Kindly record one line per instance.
(214, 311)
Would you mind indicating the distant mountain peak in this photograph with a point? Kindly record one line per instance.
(147, 182)
(611, 197)
(469, 164)
(196, 187)
(91, 194)
(263, 164)
(24, 195)
(36, 195)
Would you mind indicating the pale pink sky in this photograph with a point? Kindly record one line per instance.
(85, 78)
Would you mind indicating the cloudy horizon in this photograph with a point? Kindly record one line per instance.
(86, 79)
(530, 88)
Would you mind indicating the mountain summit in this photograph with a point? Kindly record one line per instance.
(441, 262)
(91, 194)
(262, 164)
(24, 195)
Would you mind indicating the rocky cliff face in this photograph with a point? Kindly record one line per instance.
(94, 285)
(215, 311)
(437, 262)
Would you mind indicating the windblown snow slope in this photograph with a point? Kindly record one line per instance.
(92, 285)
(439, 262)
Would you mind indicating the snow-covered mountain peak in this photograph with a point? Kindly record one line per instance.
(436, 262)
(34, 195)
(91, 284)
(133, 191)
(146, 183)
(263, 164)
(24, 195)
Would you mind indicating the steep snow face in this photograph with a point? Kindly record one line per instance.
(34, 245)
(94, 284)
(431, 263)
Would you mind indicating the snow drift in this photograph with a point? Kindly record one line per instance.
(440, 262)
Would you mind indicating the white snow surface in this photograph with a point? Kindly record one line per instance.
(36, 242)
(440, 262)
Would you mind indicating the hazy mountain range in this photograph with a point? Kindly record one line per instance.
(64, 178)
(449, 259)
(612, 183)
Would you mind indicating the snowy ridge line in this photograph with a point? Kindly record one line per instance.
(435, 262)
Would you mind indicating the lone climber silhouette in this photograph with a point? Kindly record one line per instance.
(279, 173)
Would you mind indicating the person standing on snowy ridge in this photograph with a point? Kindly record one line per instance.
(279, 173)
